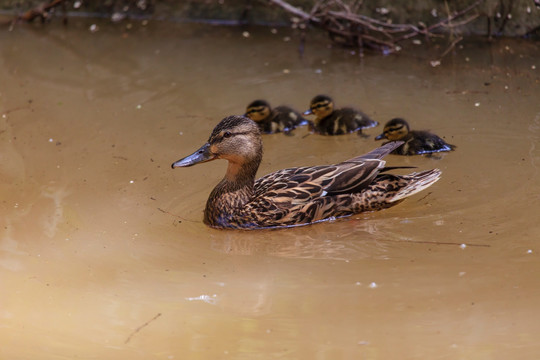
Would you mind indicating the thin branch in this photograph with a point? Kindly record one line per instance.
(141, 327)
(347, 27)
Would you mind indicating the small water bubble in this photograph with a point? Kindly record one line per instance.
(77, 4)
(94, 28)
(273, 31)
(287, 38)
(435, 63)
(131, 181)
(118, 16)
(462, 273)
(245, 34)
(463, 246)
(529, 251)
(373, 285)
(318, 71)
(477, 104)
(139, 106)
(533, 67)
(51, 140)
(286, 71)
(417, 42)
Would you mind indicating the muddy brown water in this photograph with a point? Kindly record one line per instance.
(103, 253)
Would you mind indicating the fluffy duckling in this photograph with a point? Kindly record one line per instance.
(279, 119)
(330, 121)
(415, 142)
(299, 195)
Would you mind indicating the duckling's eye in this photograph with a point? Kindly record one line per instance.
(318, 106)
(227, 134)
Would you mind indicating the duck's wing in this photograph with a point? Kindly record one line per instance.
(379, 152)
(305, 183)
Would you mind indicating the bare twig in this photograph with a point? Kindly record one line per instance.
(347, 27)
(41, 11)
(141, 327)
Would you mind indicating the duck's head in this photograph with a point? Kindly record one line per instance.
(258, 110)
(236, 139)
(395, 129)
(321, 106)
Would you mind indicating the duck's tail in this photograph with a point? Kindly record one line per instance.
(388, 190)
(416, 182)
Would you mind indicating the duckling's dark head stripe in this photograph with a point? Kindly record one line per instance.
(393, 128)
(255, 110)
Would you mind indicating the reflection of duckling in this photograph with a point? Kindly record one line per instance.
(280, 118)
(295, 196)
(416, 142)
(330, 121)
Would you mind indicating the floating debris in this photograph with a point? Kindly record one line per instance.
(205, 298)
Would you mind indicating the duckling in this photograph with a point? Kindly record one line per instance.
(299, 195)
(415, 142)
(330, 121)
(279, 119)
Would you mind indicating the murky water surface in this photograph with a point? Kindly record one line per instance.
(103, 252)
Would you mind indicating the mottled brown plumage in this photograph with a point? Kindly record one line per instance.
(295, 196)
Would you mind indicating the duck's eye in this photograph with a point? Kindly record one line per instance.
(227, 134)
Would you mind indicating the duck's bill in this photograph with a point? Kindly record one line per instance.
(307, 112)
(379, 137)
(199, 156)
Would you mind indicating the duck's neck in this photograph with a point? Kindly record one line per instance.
(239, 176)
(234, 191)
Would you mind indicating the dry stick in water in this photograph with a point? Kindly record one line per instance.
(141, 327)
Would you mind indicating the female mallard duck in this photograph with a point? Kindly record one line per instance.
(279, 119)
(294, 196)
(330, 121)
(415, 142)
